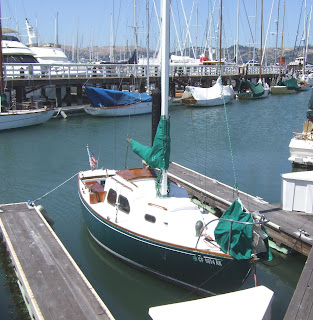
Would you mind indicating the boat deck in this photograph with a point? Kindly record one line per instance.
(289, 228)
(54, 287)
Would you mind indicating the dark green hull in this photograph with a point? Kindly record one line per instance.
(195, 269)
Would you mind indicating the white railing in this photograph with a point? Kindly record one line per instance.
(77, 70)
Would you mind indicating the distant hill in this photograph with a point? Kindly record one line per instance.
(246, 53)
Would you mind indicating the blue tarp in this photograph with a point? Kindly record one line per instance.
(100, 97)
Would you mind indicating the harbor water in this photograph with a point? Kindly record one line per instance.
(245, 144)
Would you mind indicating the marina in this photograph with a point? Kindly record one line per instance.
(125, 240)
(64, 132)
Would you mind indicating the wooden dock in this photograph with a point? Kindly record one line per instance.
(292, 229)
(52, 284)
(301, 305)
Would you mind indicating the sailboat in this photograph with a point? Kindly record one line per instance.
(216, 95)
(109, 103)
(147, 220)
(301, 144)
(286, 85)
(249, 90)
(11, 119)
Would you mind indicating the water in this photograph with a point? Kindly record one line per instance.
(36, 160)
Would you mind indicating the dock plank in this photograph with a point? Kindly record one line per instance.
(301, 304)
(58, 286)
(284, 226)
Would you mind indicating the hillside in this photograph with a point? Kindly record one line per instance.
(246, 53)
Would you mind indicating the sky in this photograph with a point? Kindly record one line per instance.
(89, 23)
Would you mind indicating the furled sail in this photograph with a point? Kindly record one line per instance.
(158, 156)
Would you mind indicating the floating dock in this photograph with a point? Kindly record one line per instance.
(288, 228)
(301, 304)
(52, 284)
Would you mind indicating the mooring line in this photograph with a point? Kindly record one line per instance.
(56, 187)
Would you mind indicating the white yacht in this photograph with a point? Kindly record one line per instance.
(45, 53)
(14, 51)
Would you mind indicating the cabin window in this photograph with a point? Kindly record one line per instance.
(111, 197)
(123, 204)
(150, 218)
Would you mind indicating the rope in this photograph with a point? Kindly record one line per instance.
(56, 187)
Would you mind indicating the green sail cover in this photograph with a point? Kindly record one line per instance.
(257, 90)
(291, 84)
(242, 235)
(159, 155)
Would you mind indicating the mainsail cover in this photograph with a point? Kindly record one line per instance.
(103, 98)
(241, 243)
(291, 84)
(159, 155)
(257, 90)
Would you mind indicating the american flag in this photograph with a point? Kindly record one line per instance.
(92, 159)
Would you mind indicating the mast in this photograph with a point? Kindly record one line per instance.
(261, 54)
(237, 42)
(221, 22)
(304, 40)
(135, 31)
(1, 61)
(148, 27)
(56, 40)
(165, 43)
(277, 22)
(282, 41)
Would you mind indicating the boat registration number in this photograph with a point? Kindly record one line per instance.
(202, 259)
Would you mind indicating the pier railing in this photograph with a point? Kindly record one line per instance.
(77, 70)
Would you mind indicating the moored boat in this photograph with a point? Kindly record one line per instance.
(13, 119)
(213, 96)
(147, 220)
(108, 103)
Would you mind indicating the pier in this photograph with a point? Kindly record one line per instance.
(68, 80)
(52, 284)
(287, 228)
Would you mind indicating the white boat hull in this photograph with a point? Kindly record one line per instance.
(301, 151)
(128, 110)
(24, 118)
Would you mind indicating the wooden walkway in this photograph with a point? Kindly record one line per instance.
(53, 285)
(301, 305)
(291, 229)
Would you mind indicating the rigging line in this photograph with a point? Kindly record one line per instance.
(56, 187)
(294, 48)
(268, 27)
(248, 20)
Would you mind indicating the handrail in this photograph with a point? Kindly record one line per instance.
(31, 71)
(263, 220)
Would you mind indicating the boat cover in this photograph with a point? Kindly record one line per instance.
(291, 84)
(257, 89)
(159, 155)
(241, 244)
(103, 98)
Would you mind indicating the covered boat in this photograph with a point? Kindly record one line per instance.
(286, 86)
(249, 90)
(106, 102)
(213, 96)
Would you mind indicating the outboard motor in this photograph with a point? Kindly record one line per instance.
(199, 226)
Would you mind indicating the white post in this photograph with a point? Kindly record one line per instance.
(165, 44)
